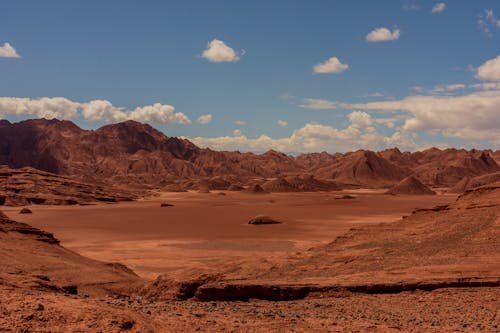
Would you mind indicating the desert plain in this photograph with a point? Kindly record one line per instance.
(201, 230)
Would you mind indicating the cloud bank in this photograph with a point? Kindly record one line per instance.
(314, 137)
(96, 110)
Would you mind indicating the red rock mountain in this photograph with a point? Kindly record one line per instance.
(410, 185)
(363, 168)
(135, 153)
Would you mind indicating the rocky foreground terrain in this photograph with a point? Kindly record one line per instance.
(435, 270)
(26, 186)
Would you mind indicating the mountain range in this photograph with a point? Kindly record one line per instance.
(133, 153)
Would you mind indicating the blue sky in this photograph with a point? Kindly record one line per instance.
(421, 72)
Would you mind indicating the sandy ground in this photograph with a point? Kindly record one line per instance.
(203, 230)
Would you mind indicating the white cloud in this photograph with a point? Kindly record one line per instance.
(439, 7)
(382, 35)
(99, 110)
(218, 51)
(448, 87)
(240, 122)
(319, 104)
(96, 110)
(487, 21)
(8, 51)
(360, 119)
(474, 115)
(158, 113)
(332, 65)
(441, 89)
(57, 107)
(205, 119)
(449, 116)
(490, 70)
(390, 122)
(313, 137)
(282, 123)
(486, 86)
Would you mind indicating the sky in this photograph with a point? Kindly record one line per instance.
(294, 76)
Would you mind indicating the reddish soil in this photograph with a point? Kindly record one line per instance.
(151, 239)
(208, 233)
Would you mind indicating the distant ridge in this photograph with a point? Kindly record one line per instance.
(137, 154)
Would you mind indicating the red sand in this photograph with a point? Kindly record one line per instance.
(202, 228)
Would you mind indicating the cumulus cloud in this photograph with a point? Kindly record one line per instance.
(438, 8)
(332, 65)
(282, 123)
(382, 35)
(218, 51)
(469, 116)
(57, 107)
(490, 70)
(8, 51)
(449, 116)
(360, 119)
(96, 110)
(102, 110)
(158, 113)
(314, 137)
(237, 132)
(205, 119)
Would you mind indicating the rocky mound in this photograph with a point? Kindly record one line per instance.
(308, 183)
(461, 186)
(235, 187)
(24, 186)
(364, 168)
(174, 188)
(263, 219)
(279, 185)
(255, 189)
(410, 185)
(29, 251)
